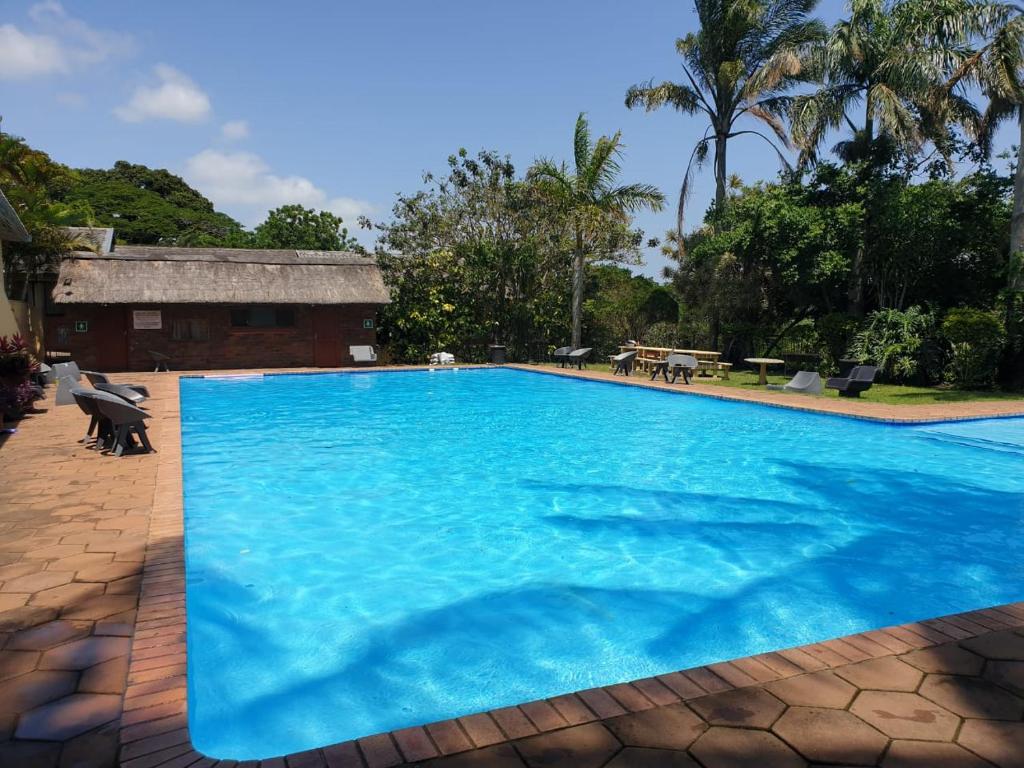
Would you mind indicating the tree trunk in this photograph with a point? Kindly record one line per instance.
(721, 142)
(856, 291)
(577, 293)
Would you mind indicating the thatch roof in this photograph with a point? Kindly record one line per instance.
(11, 227)
(156, 275)
(97, 239)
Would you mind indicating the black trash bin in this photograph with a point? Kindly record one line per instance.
(498, 354)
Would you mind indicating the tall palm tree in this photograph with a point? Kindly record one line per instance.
(590, 197)
(890, 59)
(998, 67)
(742, 61)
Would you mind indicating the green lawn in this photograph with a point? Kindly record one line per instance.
(890, 394)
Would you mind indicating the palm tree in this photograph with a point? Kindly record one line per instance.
(997, 67)
(590, 198)
(742, 62)
(891, 59)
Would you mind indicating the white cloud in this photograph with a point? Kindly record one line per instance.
(350, 210)
(176, 97)
(23, 55)
(235, 129)
(84, 44)
(61, 44)
(243, 184)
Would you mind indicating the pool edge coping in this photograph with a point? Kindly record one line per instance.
(811, 406)
(154, 731)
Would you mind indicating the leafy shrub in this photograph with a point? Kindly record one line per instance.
(16, 365)
(901, 343)
(976, 341)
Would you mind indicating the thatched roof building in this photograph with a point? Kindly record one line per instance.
(156, 275)
(123, 308)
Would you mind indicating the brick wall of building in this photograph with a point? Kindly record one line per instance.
(110, 343)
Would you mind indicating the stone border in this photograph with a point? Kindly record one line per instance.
(154, 723)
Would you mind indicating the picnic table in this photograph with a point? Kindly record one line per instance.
(649, 357)
(764, 362)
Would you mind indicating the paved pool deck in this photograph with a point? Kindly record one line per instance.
(93, 656)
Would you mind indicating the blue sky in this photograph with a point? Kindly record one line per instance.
(342, 105)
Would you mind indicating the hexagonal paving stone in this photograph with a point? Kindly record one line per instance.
(742, 748)
(66, 594)
(972, 697)
(10, 600)
(905, 715)
(584, 745)
(37, 582)
(637, 757)
(818, 689)
(1004, 646)
(48, 635)
(25, 617)
(86, 652)
(108, 677)
(67, 717)
(22, 693)
(948, 659)
(671, 727)
(830, 735)
(884, 674)
(14, 663)
(918, 754)
(998, 742)
(746, 707)
(1008, 674)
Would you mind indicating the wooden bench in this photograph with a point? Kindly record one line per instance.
(713, 367)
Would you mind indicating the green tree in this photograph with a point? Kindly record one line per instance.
(892, 59)
(35, 185)
(304, 229)
(624, 306)
(597, 208)
(148, 206)
(997, 66)
(742, 62)
(476, 257)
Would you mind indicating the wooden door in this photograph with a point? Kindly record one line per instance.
(109, 336)
(326, 337)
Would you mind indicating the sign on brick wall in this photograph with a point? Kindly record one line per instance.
(147, 320)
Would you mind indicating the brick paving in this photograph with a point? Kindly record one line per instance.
(93, 662)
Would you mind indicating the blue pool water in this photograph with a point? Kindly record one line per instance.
(378, 550)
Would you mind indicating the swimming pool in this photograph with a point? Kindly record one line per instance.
(371, 551)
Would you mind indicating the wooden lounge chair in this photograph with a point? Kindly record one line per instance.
(805, 382)
(561, 356)
(578, 357)
(363, 354)
(685, 364)
(859, 380)
(623, 362)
